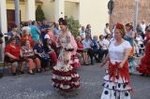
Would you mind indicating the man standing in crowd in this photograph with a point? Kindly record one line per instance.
(106, 30)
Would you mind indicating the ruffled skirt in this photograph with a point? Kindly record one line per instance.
(132, 65)
(117, 88)
(65, 77)
(144, 67)
(74, 61)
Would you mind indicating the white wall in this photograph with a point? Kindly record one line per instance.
(49, 11)
(95, 13)
(72, 9)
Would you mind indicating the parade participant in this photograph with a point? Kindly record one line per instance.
(144, 66)
(129, 36)
(64, 75)
(117, 83)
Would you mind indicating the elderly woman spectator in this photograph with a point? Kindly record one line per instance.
(12, 54)
(26, 36)
(29, 57)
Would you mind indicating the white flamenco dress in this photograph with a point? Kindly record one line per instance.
(64, 75)
(116, 82)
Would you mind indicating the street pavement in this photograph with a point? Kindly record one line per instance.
(39, 86)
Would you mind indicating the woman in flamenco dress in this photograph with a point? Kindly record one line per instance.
(65, 78)
(117, 81)
(129, 36)
(144, 66)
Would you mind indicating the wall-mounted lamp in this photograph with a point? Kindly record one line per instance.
(110, 6)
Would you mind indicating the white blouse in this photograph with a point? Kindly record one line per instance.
(117, 52)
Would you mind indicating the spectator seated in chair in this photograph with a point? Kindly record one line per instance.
(81, 51)
(29, 56)
(98, 53)
(40, 53)
(87, 46)
(12, 54)
(50, 48)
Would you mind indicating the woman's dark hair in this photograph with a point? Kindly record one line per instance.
(33, 22)
(60, 19)
(101, 36)
(45, 42)
(12, 39)
(63, 22)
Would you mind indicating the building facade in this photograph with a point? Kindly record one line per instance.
(124, 11)
(86, 11)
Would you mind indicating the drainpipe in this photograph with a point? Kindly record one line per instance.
(136, 14)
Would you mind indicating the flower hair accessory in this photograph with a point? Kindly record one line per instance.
(120, 27)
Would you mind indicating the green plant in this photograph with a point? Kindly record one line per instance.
(39, 14)
(73, 26)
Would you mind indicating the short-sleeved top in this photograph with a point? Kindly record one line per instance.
(24, 38)
(39, 48)
(87, 43)
(34, 33)
(79, 45)
(27, 52)
(56, 31)
(50, 35)
(116, 52)
(14, 51)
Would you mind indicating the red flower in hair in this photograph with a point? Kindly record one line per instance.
(120, 27)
